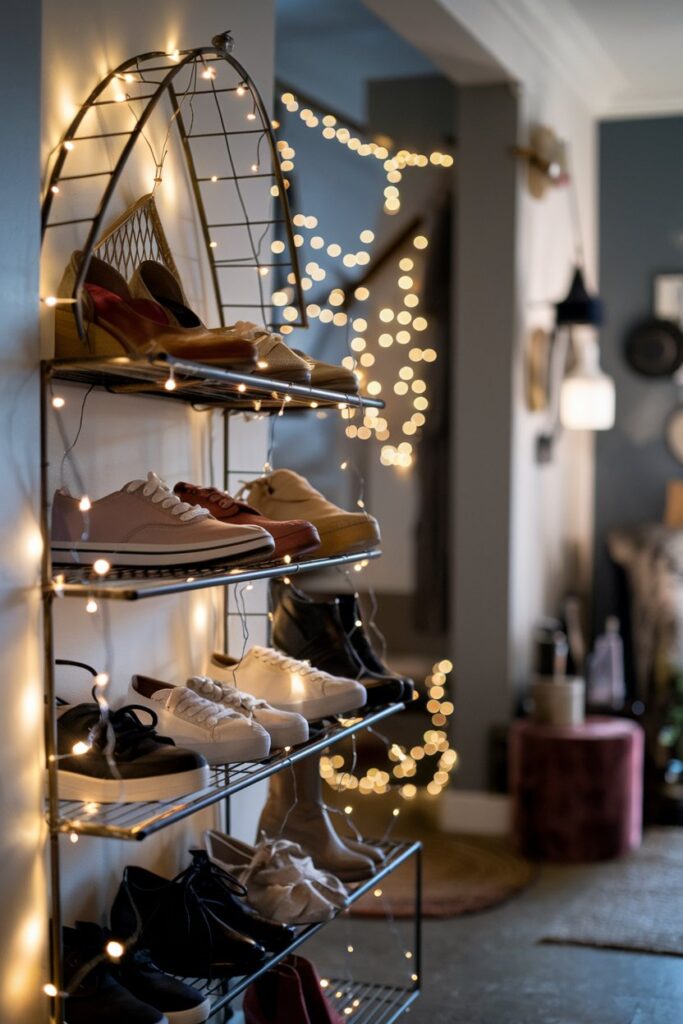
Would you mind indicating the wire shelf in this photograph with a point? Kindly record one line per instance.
(129, 584)
(200, 384)
(378, 1004)
(141, 819)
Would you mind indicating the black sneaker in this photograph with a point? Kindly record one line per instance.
(187, 932)
(94, 991)
(136, 970)
(311, 630)
(149, 767)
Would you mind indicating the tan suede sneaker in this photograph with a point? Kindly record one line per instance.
(283, 494)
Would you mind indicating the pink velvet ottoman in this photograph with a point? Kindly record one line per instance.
(577, 791)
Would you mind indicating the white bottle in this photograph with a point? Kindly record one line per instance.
(606, 668)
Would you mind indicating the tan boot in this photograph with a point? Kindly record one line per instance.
(295, 811)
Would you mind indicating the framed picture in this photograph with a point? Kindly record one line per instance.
(668, 297)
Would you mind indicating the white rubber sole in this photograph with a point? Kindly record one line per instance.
(287, 735)
(226, 751)
(323, 707)
(152, 555)
(73, 786)
(194, 1015)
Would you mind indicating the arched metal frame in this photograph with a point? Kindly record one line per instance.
(175, 63)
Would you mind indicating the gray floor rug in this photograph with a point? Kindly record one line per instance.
(635, 903)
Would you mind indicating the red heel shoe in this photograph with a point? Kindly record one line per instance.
(319, 1009)
(276, 998)
(122, 325)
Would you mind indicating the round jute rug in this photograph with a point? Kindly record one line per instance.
(459, 876)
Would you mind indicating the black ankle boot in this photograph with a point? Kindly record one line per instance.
(187, 933)
(223, 888)
(313, 631)
(350, 615)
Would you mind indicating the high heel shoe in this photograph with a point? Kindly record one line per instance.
(277, 997)
(154, 281)
(282, 882)
(121, 325)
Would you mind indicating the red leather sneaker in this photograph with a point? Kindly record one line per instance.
(291, 536)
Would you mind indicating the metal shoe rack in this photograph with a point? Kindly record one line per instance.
(172, 82)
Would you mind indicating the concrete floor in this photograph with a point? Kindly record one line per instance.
(491, 969)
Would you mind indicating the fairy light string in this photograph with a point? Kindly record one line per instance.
(398, 427)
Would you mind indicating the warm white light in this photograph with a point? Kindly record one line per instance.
(587, 396)
(58, 402)
(68, 145)
(114, 949)
(101, 566)
(50, 990)
(85, 504)
(91, 606)
(80, 748)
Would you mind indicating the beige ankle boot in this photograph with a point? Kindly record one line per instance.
(294, 810)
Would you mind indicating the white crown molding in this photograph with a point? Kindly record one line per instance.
(624, 107)
(563, 41)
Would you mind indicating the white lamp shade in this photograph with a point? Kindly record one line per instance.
(587, 403)
(587, 396)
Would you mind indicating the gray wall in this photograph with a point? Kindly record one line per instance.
(483, 420)
(641, 234)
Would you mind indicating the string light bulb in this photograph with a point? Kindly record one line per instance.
(101, 566)
(58, 402)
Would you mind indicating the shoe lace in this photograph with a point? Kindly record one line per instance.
(221, 498)
(287, 664)
(128, 730)
(193, 707)
(203, 870)
(159, 493)
(229, 695)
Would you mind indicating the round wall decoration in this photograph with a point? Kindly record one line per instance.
(654, 348)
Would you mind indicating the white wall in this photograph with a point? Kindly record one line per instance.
(123, 437)
(23, 921)
(505, 580)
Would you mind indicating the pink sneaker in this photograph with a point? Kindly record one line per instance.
(146, 524)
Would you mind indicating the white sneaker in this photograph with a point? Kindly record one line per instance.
(285, 728)
(222, 735)
(288, 684)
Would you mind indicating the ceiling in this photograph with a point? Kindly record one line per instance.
(643, 41)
